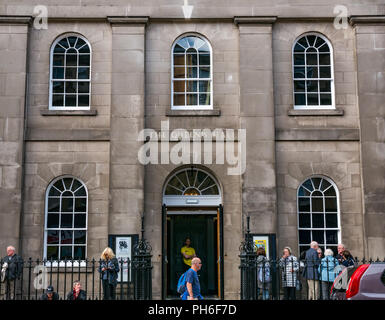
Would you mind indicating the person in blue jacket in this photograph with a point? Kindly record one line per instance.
(328, 270)
(193, 288)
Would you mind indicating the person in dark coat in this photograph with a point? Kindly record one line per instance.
(109, 269)
(340, 249)
(77, 293)
(50, 294)
(310, 271)
(12, 269)
(347, 259)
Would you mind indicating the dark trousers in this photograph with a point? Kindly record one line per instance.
(289, 293)
(109, 290)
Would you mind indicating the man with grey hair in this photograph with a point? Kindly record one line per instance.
(340, 249)
(12, 266)
(193, 288)
(310, 271)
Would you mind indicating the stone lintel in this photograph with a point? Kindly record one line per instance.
(15, 19)
(128, 20)
(368, 20)
(330, 134)
(67, 134)
(326, 112)
(46, 112)
(255, 20)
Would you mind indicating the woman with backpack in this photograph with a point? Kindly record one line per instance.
(289, 267)
(263, 273)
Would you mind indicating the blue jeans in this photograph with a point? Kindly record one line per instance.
(265, 293)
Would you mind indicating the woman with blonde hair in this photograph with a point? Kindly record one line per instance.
(109, 269)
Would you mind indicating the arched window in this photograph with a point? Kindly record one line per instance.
(70, 73)
(313, 73)
(191, 73)
(318, 214)
(66, 219)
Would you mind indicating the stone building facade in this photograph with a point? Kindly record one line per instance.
(252, 88)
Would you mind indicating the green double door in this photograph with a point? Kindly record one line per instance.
(202, 229)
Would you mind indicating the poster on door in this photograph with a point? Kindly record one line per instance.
(123, 252)
(262, 242)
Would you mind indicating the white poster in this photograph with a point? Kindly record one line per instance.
(123, 251)
(262, 242)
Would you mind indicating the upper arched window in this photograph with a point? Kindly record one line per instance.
(66, 220)
(191, 73)
(313, 73)
(70, 73)
(318, 214)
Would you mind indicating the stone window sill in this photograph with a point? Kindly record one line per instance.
(46, 112)
(193, 113)
(326, 112)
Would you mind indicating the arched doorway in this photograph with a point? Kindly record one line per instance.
(192, 207)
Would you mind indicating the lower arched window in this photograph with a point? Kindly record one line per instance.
(66, 220)
(318, 214)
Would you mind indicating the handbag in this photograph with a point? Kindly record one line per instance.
(3, 271)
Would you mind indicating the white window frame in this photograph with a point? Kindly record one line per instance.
(338, 229)
(50, 106)
(332, 84)
(191, 107)
(61, 263)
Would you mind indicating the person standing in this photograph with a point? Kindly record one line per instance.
(13, 269)
(50, 294)
(263, 274)
(193, 288)
(328, 270)
(109, 269)
(188, 253)
(77, 293)
(289, 267)
(310, 271)
(347, 259)
(340, 249)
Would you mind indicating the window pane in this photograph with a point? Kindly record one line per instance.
(324, 59)
(79, 191)
(179, 59)
(53, 204)
(204, 59)
(311, 40)
(83, 100)
(304, 204)
(58, 87)
(64, 43)
(319, 42)
(332, 237)
(58, 73)
(70, 73)
(330, 192)
(325, 86)
(317, 204)
(303, 192)
(66, 253)
(324, 72)
(192, 86)
(324, 48)
(312, 86)
(299, 59)
(84, 60)
(204, 99)
(53, 237)
(326, 99)
(52, 252)
(80, 205)
(318, 235)
(85, 49)
(66, 237)
(71, 59)
(58, 49)
(304, 220)
(311, 59)
(79, 43)
(179, 72)
(312, 72)
(192, 72)
(83, 87)
(299, 72)
(179, 86)
(308, 185)
(298, 48)
(304, 236)
(79, 252)
(317, 181)
(67, 205)
(58, 60)
(66, 221)
(303, 42)
(331, 221)
(179, 48)
(312, 99)
(72, 41)
(325, 184)
(71, 87)
(318, 221)
(80, 237)
(191, 59)
(54, 192)
(53, 220)
(300, 99)
(191, 99)
(84, 73)
(179, 100)
(331, 204)
(204, 86)
(299, 86)
(204, 72)
(70, 101)
(80, 221)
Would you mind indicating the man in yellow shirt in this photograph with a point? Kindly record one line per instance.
(188, 253)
